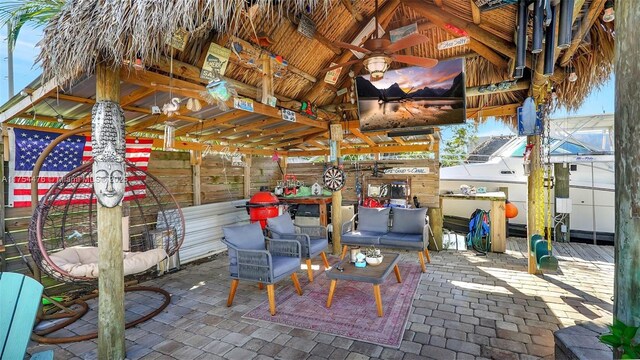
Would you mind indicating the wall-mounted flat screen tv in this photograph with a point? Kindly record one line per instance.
(413, 97)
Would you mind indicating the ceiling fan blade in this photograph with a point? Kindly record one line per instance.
(415, 60)
(351, 47)
(406, 42)
(340, 65)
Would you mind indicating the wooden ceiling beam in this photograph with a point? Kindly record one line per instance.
(361, 136)
(293, 23)
(356, 15)
(29, 101)
(399, 140)
(489, 111)
(372, 150)
(128, 99)
(241, 128)
(475, 12)
(585, 26)
(190, 89)
(520, 85)
(285, 137)
(223, 118)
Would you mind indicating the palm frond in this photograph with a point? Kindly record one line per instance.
(16, 14)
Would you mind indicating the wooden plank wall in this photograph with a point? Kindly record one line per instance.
(425, 187)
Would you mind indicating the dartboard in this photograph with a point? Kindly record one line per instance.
(333, 178)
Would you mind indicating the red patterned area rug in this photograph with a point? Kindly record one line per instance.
(353, 310)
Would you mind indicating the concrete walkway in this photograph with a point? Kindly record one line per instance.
(466, 307)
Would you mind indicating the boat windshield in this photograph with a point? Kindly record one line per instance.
(566, 148)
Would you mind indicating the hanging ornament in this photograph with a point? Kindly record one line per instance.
(171, 108)
(218, 92)
(275, 156)
(194, 105)
(169, 135)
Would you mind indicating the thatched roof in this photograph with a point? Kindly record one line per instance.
(119, 31)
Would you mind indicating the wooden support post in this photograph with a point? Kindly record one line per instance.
(267, 79)
(561, 189)
(436, 221)
(505, 190)
(4, 183)
(196, 161)
(247, 176)
(627, 129)
(533, 191)
(111, 277)
(336, 197)
(498, 221)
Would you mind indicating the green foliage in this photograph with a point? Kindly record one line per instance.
(621, 338)
(455, 149)
(35, 12)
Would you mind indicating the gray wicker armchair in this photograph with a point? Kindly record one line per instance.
(250, 260)
(313, 239)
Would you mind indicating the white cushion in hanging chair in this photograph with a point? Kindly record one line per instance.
(82, 261)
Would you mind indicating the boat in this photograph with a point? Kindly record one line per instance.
(583, 143)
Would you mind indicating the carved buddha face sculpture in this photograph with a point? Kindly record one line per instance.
(107, 140)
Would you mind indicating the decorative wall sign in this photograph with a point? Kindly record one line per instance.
(334, 178)
(401, 32)
(272, 101)
(332, 76)
(108, 150)
(243, 104)
(306, 27)
(288, 115)
(333, 150)
(448, 44)
(456, 30)
(178, 39)
(237, 161)
(341, 91)
(485, 5)
(407, 171)
(215, 63)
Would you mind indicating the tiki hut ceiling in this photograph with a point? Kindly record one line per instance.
(121, 32)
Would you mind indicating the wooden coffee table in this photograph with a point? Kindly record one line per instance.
(369, 274)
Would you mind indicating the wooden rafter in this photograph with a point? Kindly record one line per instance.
(399, 140)
(207, 124)
(241, 128)
(356, 15)
(372, 150)
(286, 137)
(29, 101)
(361, 136)
(475, 12)
(131, 98)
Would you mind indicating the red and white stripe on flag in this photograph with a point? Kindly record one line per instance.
(25, 147)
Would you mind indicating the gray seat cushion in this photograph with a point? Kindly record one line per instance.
(317, 246)
(359, 237)
(248, 237)
(373, 219)
(283, 265)
(402, 240)
(282, 224)
(408, 221)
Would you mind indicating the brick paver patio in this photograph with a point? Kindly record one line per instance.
(466, 307)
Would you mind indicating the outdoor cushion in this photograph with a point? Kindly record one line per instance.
(373, 219)
(282, 224)
(402, 240)
(318, 245)
(83, 260)
(248, 237)
(359, 237)
(284, 264)
(409, 221)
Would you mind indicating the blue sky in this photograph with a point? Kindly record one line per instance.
(599, 101)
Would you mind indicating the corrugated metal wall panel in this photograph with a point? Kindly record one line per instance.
(203, 228)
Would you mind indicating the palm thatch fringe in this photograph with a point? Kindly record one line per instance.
(118, 32)
(593, 62)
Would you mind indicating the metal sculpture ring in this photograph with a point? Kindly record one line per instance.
(334, 178)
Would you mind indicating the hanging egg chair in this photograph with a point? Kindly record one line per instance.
(63, 234)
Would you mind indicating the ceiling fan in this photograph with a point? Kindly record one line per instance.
(379, 53)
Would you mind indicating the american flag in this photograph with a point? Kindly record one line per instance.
(25, 146)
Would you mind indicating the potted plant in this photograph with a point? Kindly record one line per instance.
(373, 256)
